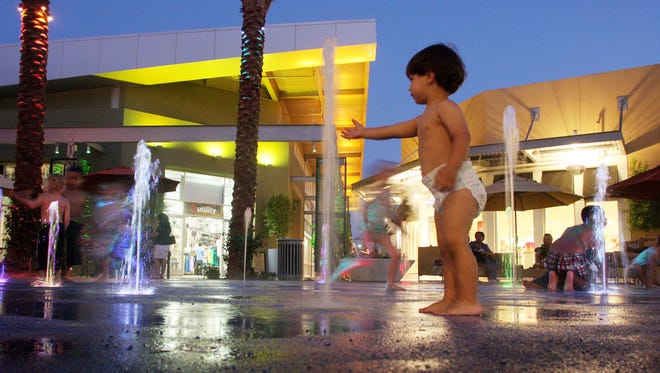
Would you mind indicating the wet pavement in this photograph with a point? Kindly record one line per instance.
(194, 324)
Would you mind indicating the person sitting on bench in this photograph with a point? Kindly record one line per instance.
(484, 255)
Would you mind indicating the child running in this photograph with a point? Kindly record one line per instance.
(378, 214)
(435, 73)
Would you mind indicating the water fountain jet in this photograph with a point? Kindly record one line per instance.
(602, 176)
(131, 275)
(511, 143)
(330, 164)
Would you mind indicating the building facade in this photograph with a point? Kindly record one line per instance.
(567, 129)
(178, 91)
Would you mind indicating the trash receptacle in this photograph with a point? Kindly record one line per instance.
(289, 259)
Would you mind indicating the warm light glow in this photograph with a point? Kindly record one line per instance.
(141, 118)
(212, 149)
(585, 157)
(269, 153)
(265, 159)
(273, 153)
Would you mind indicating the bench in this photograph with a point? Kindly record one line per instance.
(429, 263)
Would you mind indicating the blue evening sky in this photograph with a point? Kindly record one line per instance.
(503, 43)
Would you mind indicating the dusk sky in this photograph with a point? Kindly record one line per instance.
(503, 43)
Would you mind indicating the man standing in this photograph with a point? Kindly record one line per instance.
(78, 199)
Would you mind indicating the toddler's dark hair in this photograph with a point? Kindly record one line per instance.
(443, 61)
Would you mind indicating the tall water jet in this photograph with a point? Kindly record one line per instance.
(145, 177)
(511, 145)
(602, 177)
(53, 233)
(247, 216)
(330, 163)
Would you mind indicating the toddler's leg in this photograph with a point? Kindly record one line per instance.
(459, 209)
(386, 242)
(568, 284)
(553, 279)
(163, 266)
(449, 296)
(644, 277)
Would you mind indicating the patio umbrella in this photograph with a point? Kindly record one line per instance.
(527, 195)
(641, 186)
(124, 175)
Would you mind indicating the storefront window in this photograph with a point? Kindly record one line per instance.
(200, 210)
(557, 219)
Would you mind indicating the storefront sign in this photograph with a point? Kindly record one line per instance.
(202, 209)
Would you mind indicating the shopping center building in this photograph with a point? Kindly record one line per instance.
(567, 129)
(179, 92)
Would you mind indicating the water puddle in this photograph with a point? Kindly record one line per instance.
(38, 347)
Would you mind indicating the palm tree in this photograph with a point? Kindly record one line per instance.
(29, 129)
(22, 222)
(247, 132)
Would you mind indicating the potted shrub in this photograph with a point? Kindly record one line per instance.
(212, 272)
(278, 216)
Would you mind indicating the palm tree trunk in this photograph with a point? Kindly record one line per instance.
(29, 129)
(247, 132)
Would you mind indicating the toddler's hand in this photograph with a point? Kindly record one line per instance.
(355, 132)
(445, 180)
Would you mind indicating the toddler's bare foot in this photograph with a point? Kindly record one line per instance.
(552, 288)
(394, 287)
(459, 309)
(436, 308)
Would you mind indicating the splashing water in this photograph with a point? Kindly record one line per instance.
(324, 254)
(330, 163)
(602, 177)
(511, 145)
(53, 233)
(145, 177)
(247, 217)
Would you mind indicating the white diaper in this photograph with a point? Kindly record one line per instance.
(466, 178)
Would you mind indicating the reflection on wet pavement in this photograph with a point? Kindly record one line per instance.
(223, 322)
(38, 347)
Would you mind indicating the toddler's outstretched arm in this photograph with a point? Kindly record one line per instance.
(398, 130)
